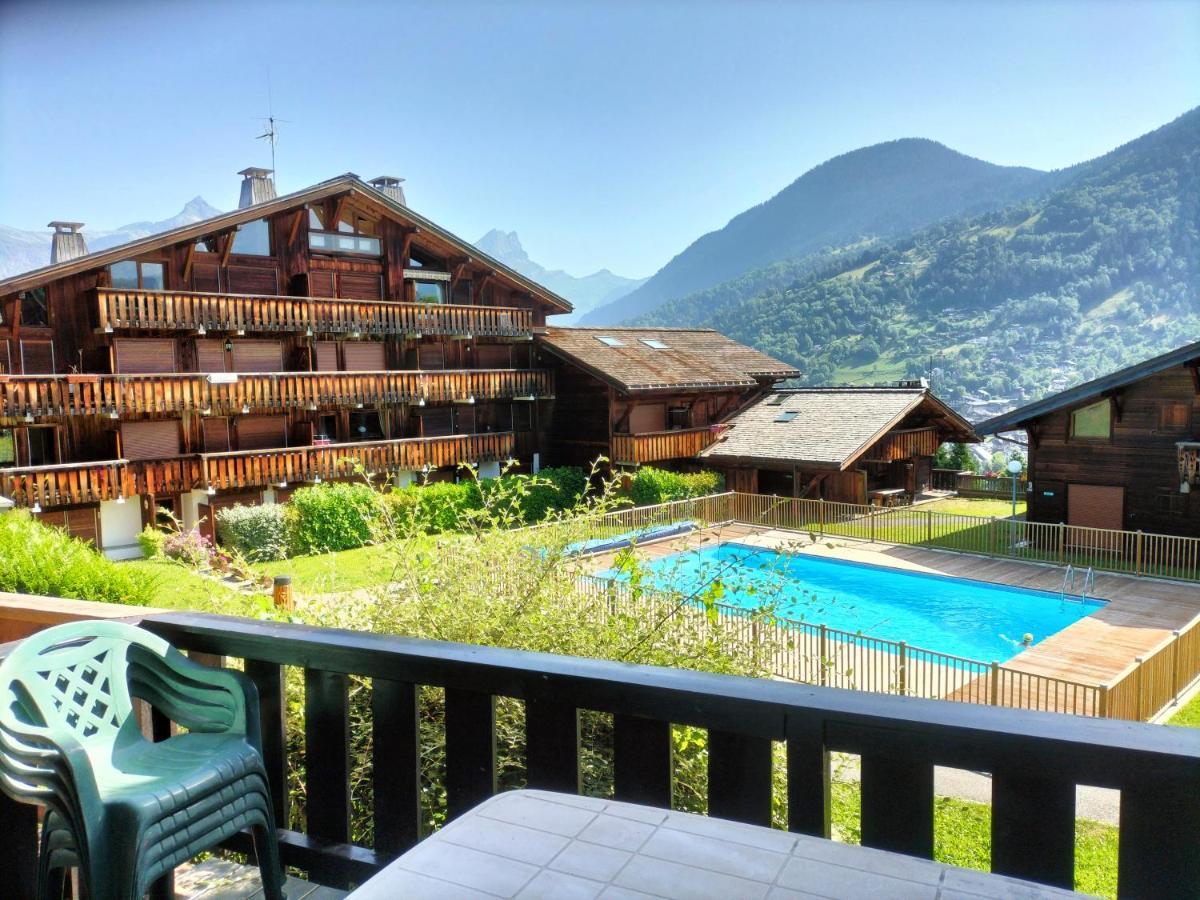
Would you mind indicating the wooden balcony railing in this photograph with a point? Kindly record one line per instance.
(905, 445)
(189, 310)
(635, 449)
(132, 395)
(1035, 760)
(252, 468)
(91, 482)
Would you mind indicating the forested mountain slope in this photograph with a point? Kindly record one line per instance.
(1008, 305)
(884, 191)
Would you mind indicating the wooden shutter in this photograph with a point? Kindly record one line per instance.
(355, 286)
(648, 417)
(261, 432)
(210, 356)
(1095, 505)
(216, 435)
(257, 356)
(320, 284)
(326, 356)
(79, 523)
(37, 357)
(206, 277)
(150, 440)
(363, 356)
(464, 420)
(431, 356)
(252, 280)
(141, 356)
(493, 356)
(437, 422)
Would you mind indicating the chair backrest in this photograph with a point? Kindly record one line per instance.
(76, 677)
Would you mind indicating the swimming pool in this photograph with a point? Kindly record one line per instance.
(968, 618)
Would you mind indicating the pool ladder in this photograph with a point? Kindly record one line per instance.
(1068, 585)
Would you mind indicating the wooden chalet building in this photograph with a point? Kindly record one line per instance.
(646, 395)
(839, 444)
(233, 359)
(1120, 451)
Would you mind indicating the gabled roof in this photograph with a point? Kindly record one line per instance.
(827, 428)
(205, 227)
(656, 359)
(1015, 419)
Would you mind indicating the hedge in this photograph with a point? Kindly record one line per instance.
(333, 516)
(651, 486)
(259, 533)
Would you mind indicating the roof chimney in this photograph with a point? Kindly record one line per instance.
(390, 185)
(68, 242)
(257, 187)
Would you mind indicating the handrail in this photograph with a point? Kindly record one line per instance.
(1035, 759)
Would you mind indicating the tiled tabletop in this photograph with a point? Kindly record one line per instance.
(536, 844)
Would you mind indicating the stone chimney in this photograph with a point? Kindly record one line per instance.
(390, 185)
(257, 187)
(68, 242)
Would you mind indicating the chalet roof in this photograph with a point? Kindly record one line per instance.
(827, 428)
(656, 359)
(1016, 418)
(341, 184)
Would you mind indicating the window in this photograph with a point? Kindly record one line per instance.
(130, 274)
(43, 446)
(430, 291)
(34, 309)
(679, 417)
(1093, 421)
(610, 341)
(365, 426)
(349, 237)
(8, 447)
(1174, 416)
(655, 344)
(786, 416)
(253, 239)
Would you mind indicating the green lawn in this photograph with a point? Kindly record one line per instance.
(1189, 716)
(178, 587)
(974, 506)
(330, 573)
(962, 837)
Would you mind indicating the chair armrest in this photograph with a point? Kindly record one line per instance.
(198, 697)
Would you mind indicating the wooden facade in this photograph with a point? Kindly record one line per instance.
(266, 346)
(1133, 466)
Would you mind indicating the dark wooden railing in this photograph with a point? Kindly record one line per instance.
(251, 468)
(946, 479)
(635, 449)
(132, 395)
(190, 310)
(91, 482)
(1000, 486)
(905, 445)
(1035, 759)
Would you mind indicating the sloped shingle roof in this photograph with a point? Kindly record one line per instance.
(691, 358)
(826, 427)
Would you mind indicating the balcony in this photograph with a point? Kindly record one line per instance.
(1035, 760)
(258, 468)
(905, 444)
(91, 482)
(189, 311)
(135, 395)
(635, 449)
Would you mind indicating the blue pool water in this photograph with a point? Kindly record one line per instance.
(951, 615)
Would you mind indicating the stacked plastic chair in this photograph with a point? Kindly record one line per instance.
(123, 810)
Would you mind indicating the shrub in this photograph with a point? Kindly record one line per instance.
(436, 507)
(259, 533)
(552, 490)
(151, 541)
(188, 547)
(652, 485)
(40, 559)
(333, 516)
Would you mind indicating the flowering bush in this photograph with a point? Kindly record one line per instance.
(189, 547)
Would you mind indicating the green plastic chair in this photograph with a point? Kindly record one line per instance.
(123, 810)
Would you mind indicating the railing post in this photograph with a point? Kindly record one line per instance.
(994, 685)
(902, 671)
(929, 526)
(824, 654)
(1175, 667)
(821, 514)
(1138, 686)
(1103, 701)
(1062, 542)
(871, 521)
(1138, 564)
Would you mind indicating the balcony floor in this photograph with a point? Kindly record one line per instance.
(221, 879)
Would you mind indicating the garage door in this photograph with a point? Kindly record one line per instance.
(1096, 506)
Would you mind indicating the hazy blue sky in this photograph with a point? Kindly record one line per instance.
(608, 134)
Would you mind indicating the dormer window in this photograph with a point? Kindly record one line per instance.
(349, 236)
(253, 239)
(129, 274)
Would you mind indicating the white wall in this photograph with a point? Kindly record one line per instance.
(120, 525)
(405, 477)
(489, 469)
(188, 503)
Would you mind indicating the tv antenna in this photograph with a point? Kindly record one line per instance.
(271, 124)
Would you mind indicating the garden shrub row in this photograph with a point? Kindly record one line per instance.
(652, 485)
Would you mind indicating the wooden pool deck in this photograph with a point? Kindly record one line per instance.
(1140, 613)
